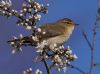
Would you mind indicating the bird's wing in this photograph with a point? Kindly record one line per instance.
(52, 30)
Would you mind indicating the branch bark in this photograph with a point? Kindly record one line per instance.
(92, 52)
(47, 67)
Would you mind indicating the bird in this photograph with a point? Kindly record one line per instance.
(57, 33)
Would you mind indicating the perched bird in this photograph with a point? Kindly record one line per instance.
(57, 32)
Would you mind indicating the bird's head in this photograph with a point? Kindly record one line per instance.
(68, 24)
(67, 21)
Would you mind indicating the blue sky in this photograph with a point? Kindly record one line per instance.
(82, 12)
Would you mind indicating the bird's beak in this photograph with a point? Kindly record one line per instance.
(76, 24)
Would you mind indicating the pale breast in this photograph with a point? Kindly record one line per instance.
(59, 40)
(56, 40)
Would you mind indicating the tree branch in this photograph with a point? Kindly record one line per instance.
(93, 46)
(46, 65)
(92, 51)
(87, 40)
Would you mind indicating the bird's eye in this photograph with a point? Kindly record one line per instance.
(68, 22)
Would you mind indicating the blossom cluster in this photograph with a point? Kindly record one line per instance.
(29, 71)
(60, 58)
(28, 16)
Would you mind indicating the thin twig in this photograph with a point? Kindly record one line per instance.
(92, 62)
(87, 40)
(97, 65)
(78, 69)
(92, 52)
(46, 65)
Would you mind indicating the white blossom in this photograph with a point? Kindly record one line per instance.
(64, 69)
(9, 3)
(41, 45)
(38, 71)
(5, 8)
(66, 60)
(3, 12)
(27, 20)
(25, 10)
(21, 14)
(12, 43)
(13, 10)
(26, 24)
(29, 10)
(37, 6)
(21, 11)
(70, 51)
(24, 4)
(68, 48)
(75, 56)
(21, 36)
(46, 56)
(57, 58)
(61, 47)
(16, 11)
(43, 32)
(3, 2)
(10, 14)
(29, 6)
(37, 17)
(29, 0)
(22, 23)
(56, 64)
(46, 11)
(13, 51)
(28, 27)
(24, 72)
(14, 37)
(55, 49)
(6, 3)
(35, 38)
(39, 29)
(67, 56)
(18, 24)
(35, 27)
(30, 69)
(48, 4)
(20, 49)
(35, 10)
(58, 69)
